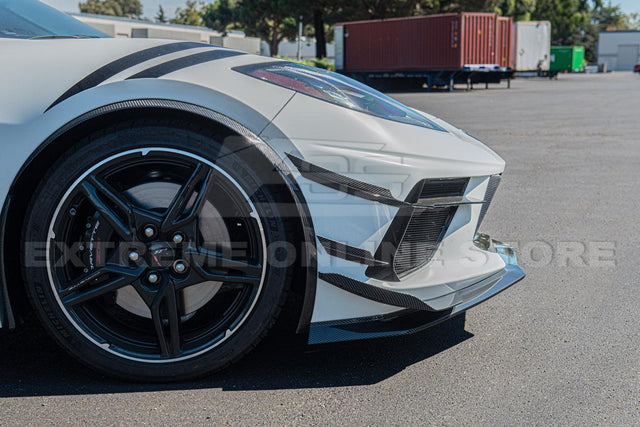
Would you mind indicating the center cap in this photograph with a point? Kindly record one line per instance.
(161, 255)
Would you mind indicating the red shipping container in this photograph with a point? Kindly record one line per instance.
(504, 42)
(425, 43)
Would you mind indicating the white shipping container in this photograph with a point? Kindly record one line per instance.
(533, 45)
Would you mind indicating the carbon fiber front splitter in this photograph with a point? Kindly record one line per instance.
(405, 322)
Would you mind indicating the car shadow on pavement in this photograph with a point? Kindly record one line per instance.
(31, 364)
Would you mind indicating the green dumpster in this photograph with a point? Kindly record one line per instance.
(567, 58)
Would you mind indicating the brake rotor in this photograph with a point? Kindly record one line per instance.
(157, 196)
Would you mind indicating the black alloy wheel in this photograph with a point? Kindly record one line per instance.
(156, 259)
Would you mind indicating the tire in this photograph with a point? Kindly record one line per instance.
(78, 292)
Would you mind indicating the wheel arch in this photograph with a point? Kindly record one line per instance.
(298, 308)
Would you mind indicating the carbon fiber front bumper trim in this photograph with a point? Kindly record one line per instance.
(344, 184)
(349, 253)
(371, 192)
(374, 293)
(412, 320)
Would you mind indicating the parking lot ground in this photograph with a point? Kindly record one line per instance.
(560, 347)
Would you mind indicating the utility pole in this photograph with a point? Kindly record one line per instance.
(299, 55)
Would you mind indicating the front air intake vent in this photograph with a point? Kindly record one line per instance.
(421, 238)
(416, 231)
(439, 188)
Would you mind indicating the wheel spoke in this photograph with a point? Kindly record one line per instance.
(81, 290)
(197, 185)
(217, 261)
(226, 277)
(166, 303)
(213, 266)
(102, 197)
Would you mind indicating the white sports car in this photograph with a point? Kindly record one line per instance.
(164, 203)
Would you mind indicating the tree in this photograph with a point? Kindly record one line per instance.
(325, 13)
(579, 22)
(161, 17)
(189, 15)
(320, 32)
(101, 7)
(271, 20)
(566, 17)
(572, 21)
(601, 18)
(634, 21)
(383, 9)
(125, 8)
(520, 10)
(612, 17)
(221, 15)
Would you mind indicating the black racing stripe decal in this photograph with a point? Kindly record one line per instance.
(119, 65)
(184, 62)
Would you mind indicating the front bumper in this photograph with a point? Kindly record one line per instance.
(409, 321)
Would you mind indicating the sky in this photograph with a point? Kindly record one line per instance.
(628, 6)
(150, 7)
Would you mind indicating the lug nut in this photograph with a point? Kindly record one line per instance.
(178, 238)
(149, 232)
(153, 278)
(179, 267)
(134, 256)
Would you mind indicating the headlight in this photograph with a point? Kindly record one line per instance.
(337, 89)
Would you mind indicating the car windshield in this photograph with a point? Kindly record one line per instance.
(26, 19)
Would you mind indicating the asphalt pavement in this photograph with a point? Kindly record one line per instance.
(560, 347)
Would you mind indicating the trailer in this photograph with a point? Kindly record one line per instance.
(532, 45)
(427, 51)
(567, 59)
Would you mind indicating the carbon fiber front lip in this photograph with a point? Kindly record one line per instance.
(409, 321)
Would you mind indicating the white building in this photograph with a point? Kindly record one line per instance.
(289, 49)
(620, 50)
(133, 28)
